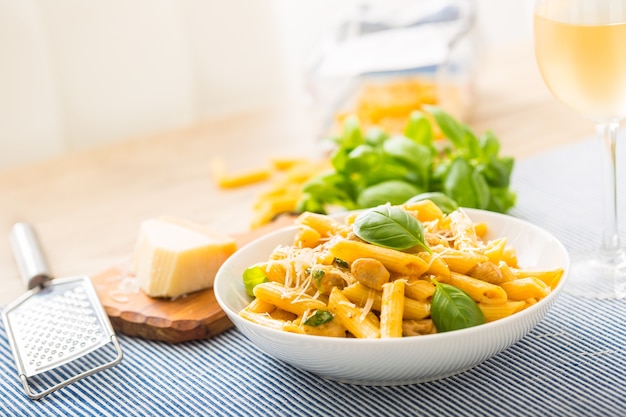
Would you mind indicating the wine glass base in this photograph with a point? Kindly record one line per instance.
(598, 276)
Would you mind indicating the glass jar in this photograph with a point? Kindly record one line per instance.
(384, 59)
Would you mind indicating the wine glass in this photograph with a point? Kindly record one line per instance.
(580, 47)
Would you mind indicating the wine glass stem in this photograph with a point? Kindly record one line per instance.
(610, 239)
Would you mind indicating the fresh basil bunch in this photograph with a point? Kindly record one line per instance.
(375, 168)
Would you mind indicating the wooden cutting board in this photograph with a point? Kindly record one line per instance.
(195, 316)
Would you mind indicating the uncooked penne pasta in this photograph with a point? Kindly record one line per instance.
(392, 309)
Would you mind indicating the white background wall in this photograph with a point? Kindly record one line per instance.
(76, 74)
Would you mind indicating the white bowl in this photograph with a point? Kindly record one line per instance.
(405, 360)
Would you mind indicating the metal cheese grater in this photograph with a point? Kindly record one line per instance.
(57, 327)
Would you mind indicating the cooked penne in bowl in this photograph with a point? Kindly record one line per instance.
(361, 287)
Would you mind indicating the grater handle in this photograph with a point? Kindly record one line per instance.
(29, 256)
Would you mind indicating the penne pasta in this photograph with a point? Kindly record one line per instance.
(458, 260)
(436, 265)
(331, 282)
(260, 307)
(287, 299)
(427, 211)
(494, 250)
(495, 312)
(262, 319)
(392, 309)
(551, 277)
(524, 288)
(395, 261)
(325, 225)
(480, 291)
(283, 315)
(274, 271)
(419, 289)
(351, 317)
(363, 296)
(307, 237)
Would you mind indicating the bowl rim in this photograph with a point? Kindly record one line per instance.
(546, 302)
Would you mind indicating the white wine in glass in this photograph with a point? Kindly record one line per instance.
(580, 47)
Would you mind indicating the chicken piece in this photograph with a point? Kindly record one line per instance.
(370, 272)
(326, 277)
(488, 272)
(417, 327)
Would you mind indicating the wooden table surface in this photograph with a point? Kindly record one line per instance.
(87, 206)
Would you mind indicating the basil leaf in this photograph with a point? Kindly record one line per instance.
(415, 156)
(318, 318)
(502, 199)
(375, 136)
(390, 227)
(445, 203)
(331, 185)
(341, 263)
(390, 169)
(458, 183)
(393, 192)
(481, 190)
(453, 309)
(252, 277)
(419, 129)
(309, 202)
(318, 275)
(362, 159)
(489, 145)
(472, 143)
(352, 135)
(452, 128)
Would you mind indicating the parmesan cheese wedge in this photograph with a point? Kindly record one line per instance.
(174, 257)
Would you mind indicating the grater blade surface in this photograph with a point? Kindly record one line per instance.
(56, 325)
(57, 322)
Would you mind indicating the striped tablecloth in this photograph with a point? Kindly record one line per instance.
(572, 364)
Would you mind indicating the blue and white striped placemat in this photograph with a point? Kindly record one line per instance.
(572, 364)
